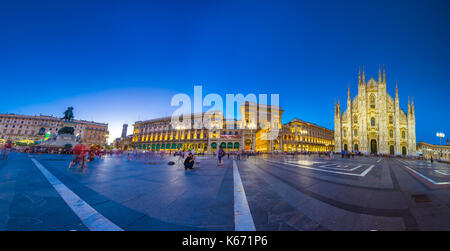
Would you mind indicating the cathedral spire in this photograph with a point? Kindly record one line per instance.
(384, 74)
(364, 76)
(396, 90)
(339, 108)
(359, 75)
(379, 74)
(412, 106)
(409, 106)
(349, 90)
(349, 98)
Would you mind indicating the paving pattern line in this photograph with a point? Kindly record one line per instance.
(404, 213)
(328, 171)
(427, 178)
(243, 220)
(92, 219)
(441, 172)
(342, 169)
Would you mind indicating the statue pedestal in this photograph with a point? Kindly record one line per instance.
(61, 140)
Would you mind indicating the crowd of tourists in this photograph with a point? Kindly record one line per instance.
(83, 154)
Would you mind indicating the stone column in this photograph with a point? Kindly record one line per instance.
(253, 141)
(209, 143)
(242, 144)
(281, 143)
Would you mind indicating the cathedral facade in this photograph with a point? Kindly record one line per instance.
(373, 121)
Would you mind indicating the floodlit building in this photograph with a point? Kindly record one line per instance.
(374, 122)
(299, 135)
(427, 150)
(259, 129)
(28, 129)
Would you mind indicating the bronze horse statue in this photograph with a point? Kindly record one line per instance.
(68, 114)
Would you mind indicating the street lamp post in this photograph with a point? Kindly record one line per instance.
(440, 135)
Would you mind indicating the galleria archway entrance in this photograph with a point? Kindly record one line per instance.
(373, 146)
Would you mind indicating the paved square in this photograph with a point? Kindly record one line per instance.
(39, 192)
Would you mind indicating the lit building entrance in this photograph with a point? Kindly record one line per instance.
(373, 146)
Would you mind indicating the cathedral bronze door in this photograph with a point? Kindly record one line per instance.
(373, 146)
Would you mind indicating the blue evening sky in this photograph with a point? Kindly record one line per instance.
(122, 61)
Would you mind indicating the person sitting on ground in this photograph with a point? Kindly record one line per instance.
(189, 162)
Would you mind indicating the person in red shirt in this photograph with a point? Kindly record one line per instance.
(6, 150)
(79, 154)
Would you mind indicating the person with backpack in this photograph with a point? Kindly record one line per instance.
(220, 154)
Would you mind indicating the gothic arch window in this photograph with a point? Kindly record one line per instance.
(345, 133)
(403, 135)
(355, 132)
(372, 121)
(372, 101)
(391, 133)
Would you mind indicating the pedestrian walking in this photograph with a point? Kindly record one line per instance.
(220, 154)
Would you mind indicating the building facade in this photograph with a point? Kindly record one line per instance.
(374, 122)
(438, 152)
(250, 133)
(28, 129)
(299, 135)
